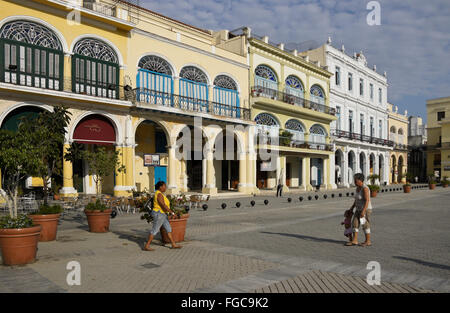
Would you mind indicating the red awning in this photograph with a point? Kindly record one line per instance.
(95, 129)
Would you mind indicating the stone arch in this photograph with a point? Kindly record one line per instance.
(99, 38)
(112, 119)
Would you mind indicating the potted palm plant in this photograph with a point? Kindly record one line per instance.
(374, 188)
(431, 182)
(101, 163)
(445, 182)
(407, 185)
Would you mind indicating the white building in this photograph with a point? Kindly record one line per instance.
(359, 95)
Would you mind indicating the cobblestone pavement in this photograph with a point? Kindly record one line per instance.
(280, 247)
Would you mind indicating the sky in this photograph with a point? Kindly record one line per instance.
(412, 44)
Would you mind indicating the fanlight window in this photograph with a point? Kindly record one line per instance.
(317, 94)
(294, 86)
(96, 69)
(294, 125)
(266, 73)
(400, 131)
(96, 49)
(393, 130)
(317, 134)
(225, 82)
(294, 82)
(155, 64)
(31, 55)
(30, 33)
(154, 81)
(194, 74)
(267, 124)
(194, 89)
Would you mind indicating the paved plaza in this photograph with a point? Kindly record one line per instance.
(282, 247)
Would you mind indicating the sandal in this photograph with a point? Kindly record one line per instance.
(149, 249)
(349, 244)
(177, 247)
(365, 244)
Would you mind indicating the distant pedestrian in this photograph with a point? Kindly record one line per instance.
(280, 185)
(362, 213)
(161, 208)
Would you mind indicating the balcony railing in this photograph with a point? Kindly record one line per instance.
(148, 96)
(71, 85)
(363, 138)
(292, 143)
(258, 91)
(100, 8)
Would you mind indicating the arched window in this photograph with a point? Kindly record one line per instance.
(393, 129)
(96, 69)
(317, 134)
(296, 128)
(31, 55)
(154, 81)
(294, 86)
(194, 89)
(400, 131)
(267, 125)
(265, 78)
(317, 94)
(226, 96)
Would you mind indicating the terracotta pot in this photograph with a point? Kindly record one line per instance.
(49, 225)
(19, 246)
(56, 197)
(373, 193)
(178, 229)
(432, 186)
(98, 221)
(445, 186)
(406, 188)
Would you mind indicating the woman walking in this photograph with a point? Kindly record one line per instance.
(161, 208)
(362, 213)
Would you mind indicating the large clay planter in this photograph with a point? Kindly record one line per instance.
(98, 221)
(373, 193)
(445, 186)
(406, 188)
(178, 229)
(49, 225)
(432, 186)
(19, 246)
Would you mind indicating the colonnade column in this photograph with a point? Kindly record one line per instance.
(344, 180)
(172, 186)
(243, 177)
(124, 183)
(283, 173)
(68, 189)
(306, 172)
(210, 186)
(332, 172)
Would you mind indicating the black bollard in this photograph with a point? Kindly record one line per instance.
(205, 207)
(224, 206)
(266, 202)
(252, 203)
(238, 204)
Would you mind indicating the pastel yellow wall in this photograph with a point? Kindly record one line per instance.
(145, 140)
(141, 45)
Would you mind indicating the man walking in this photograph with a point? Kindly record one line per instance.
(280, 185)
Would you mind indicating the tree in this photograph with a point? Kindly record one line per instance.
(48, 131)
(101, 162)
(19, 158)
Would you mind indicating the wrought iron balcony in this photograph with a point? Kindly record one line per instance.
(292, 143)
(148, 96)
(363, 138)
(258, 91)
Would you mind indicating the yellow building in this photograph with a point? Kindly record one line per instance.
(290, 105)
(398, 134)
(134, 81)
(438, 148)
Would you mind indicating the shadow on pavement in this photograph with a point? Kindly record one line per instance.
(424, 263)
(339, 242)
